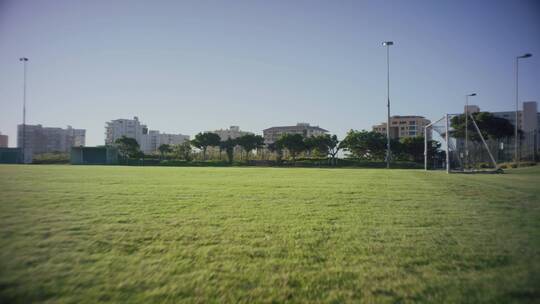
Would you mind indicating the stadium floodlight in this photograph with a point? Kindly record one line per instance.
(24, 60)
(467, 127)
(387, 44)
(516, 139)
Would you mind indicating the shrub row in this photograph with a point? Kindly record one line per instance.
(303, 162)
(514, 165)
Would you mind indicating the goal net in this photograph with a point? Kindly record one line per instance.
(456, 144)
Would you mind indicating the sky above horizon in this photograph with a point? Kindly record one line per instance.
(192, 66)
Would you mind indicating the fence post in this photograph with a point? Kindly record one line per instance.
(425, 148)
(534, 145)
(447, 146)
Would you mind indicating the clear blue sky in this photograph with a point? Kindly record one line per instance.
(190, 66)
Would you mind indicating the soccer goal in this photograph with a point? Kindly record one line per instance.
(456, 144)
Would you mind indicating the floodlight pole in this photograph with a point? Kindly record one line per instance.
(24, 61)
(387, 44)
(516, 143)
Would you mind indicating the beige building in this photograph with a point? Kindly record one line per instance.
(274, 133)
(232, 132)
(404, 126)
(3, 141)
(472, 109)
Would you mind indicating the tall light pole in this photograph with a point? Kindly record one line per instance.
(516, 143)
(467, 127)
(387, 44)
(24, 61)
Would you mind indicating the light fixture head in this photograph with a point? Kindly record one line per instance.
(525, 55)
(387, 43)
(23, 59)
(472, 94)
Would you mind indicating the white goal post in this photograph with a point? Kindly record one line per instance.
(427, 137)
(456, 148)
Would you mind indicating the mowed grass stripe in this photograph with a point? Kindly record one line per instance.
(152, 234)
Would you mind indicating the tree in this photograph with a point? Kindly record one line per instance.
(313, 144)
(183, 150)
(333, 145)
(413, 148)
(164, 148)
(277, 148)
(205, 140)
(249, 142)
(490, 126)
(363, 144)
(294, 143)
(127, 147)
(324, 145)
(228, 146)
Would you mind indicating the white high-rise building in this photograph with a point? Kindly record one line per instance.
(148, 140)
(117, 128)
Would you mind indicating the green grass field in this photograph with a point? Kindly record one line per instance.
(83, 234)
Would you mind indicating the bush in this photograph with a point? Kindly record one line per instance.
(51, 158)
(185, 163)
(301, 162)
(514, 165)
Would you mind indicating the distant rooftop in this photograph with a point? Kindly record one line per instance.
(407, 116)
(300, 124)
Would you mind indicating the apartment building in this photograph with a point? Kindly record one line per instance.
(148, 140)
(3, 141)
(305, 129)
(39, 139)
(471, 109)
(172, 139)
(232, 132)
(528, 117)
(117, 128)
(404, 126)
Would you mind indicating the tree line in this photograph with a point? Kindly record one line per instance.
(362, 145)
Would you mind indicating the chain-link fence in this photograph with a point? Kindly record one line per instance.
(470, 148)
